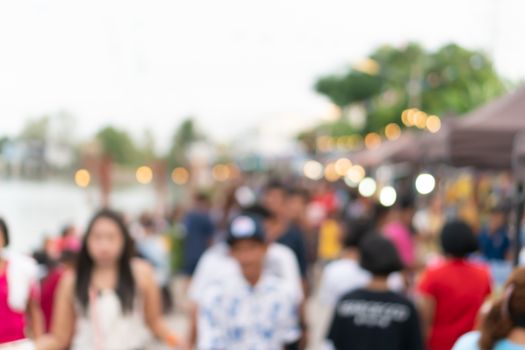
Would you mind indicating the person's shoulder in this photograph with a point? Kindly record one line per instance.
(141, 266)
(358, 293)
(142, 271)
(468, 341)
(279, 250)
(342, 266)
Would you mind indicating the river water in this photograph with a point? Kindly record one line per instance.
(34, 210)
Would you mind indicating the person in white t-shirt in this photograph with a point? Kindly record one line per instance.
(217, 265)
(252, 309)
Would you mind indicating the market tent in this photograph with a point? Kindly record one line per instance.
(484, 138)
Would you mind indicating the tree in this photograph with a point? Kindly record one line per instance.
(147, 148)
(35, 129)
(185, 135)
(450, 81)
(3, 141)
(119, 146)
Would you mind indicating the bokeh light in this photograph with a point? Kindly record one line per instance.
(342, 166)
(392, 131)
(425, 183)
(367, 187)
(313, 170)
(433, 123)
(330, 173)
(144, 175)
(180, 176)
(388, 196)
(82, 178)
(372, 140)
(221, 172)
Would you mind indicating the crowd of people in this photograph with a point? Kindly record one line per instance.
(270, 266)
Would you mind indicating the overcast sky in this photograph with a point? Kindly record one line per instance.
(231, 63)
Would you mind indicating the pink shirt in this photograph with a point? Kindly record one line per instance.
(402, 239)
(13, 322)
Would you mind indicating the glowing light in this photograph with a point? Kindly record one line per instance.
(392, 131)
(342, 166)
(433, 124)
(330, 173)
(420, 119)
(372, 140)
(82, 178)
(367, 187)
(425, 183)
(221, 172)
(313, 170)
(180, 176)
(355, 174)
(144, 175)
(387, 196)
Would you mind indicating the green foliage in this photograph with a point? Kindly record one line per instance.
(35, 129)
(3, 141)
(119, 146)
(449, 81)
(185, 135)
(351, 87)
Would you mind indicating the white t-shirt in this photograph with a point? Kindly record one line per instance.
(216, 265)
(235, 315)
(345, 275)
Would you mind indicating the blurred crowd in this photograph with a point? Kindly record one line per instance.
(271, 264)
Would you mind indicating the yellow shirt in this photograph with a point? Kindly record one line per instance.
(329, 240)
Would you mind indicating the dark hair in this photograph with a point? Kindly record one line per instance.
(5, 232)
(299, 192)
(259, 210)
(274, 185)
(407, 202)
(356, 232)
(379, 256)
(66, 229)
(380, 212)
(126, 283)
(458, 240)
(506, 313)
(69, 257)
(202, 198)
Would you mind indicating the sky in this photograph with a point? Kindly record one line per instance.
(233, 64)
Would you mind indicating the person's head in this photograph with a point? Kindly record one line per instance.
(380, 215)
(356, 232)
(499, 217)
(270, 221)
(274, 197)
(507, 313)
(296, 202)
(458, 240)
(407, 209)
(201, 201)
(248, 246)
(379, 256)
(68, 230)
(4, 234)
(107, 244)
(68, 258)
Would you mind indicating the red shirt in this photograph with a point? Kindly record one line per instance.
(459, 289)
(49, 287)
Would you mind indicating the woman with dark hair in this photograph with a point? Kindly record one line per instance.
(503, 327)
(374, 317)
(452, 292)
(19, 304)
(111, 298)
